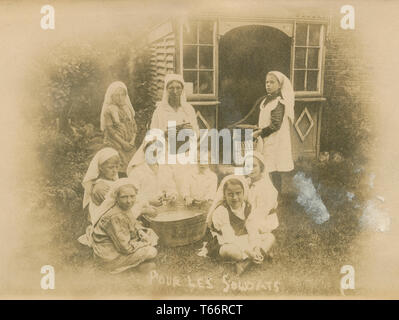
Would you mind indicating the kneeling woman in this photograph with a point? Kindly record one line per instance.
(118, 239)
(233, 237)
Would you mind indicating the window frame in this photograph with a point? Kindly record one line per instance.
(324, 29)
(201, 96)
(321, 57)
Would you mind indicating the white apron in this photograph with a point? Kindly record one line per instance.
(276, 148)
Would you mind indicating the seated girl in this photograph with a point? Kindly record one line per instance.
(262, 196)
(102, 172)
(233, 238)
(119, 241)
(200, 185)
(155, 182)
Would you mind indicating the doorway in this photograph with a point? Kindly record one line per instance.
(246, 54)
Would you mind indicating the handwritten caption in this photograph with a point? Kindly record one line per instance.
(225, 283)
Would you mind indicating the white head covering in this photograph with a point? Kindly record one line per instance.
(287, 93)
(110, 198)
(265, 172)
(108, 101)
(94, 170)
(270, 192)
(165, 95)
(219, 198)
(137, 159)
(187, 108)
(139, 156)
(260, 157)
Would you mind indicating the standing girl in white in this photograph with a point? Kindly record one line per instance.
(273, 137)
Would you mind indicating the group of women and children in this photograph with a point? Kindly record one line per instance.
(120, 185)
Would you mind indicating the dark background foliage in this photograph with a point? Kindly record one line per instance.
(70, 85)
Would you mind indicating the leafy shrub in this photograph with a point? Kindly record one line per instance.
(71, 81)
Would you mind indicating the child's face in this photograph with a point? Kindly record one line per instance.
(126, 197)
(119, 96)
(256, 169)
(109, 168)
(272, 84)
(234, 195)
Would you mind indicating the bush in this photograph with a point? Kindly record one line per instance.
(70, 84)
(65, 157)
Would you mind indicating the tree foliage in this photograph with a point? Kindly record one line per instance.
(71, 84)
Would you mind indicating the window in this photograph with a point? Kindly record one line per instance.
(198, 57)
(307, 57)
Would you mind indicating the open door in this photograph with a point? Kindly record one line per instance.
(246, 54)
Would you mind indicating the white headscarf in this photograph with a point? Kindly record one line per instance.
(219, 198)
(271, 192)
(110, 198)
(139, 156)
(187, 108)
(287, 93)
(94, 171)
(129, 110)
(165, 95)
(260, 157)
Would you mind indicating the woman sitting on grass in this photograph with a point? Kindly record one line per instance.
(119, 241)
(233, 237)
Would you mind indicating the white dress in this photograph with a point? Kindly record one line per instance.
(220, 219)
(263, 199)
(276, 148)
(151, 185)
(165, 113)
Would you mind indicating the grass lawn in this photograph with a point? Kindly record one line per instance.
(307, 256)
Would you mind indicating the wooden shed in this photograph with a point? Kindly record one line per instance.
(224, 60)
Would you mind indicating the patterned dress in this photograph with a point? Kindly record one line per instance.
(125, 127)
(117, 242)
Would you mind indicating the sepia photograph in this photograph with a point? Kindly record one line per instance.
(199, 149)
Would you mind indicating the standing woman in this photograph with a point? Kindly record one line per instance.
(273, 137)
(118, 124)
